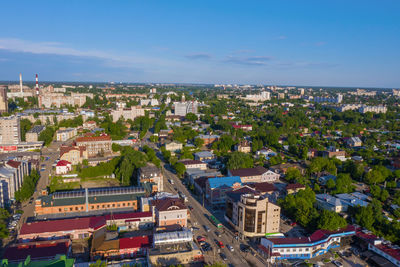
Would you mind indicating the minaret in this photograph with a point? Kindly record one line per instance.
(37, 85)
(20, 84)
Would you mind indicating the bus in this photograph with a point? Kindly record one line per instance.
(215, 221)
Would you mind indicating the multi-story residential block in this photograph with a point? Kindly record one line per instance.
(340, 203)
(373, 109)
(319, 243)
(3, 99)
(63, 134)
(95, 145)
(183, 108)
(10, 130)
(33, 134)
(153, 175)
(127, 113)
(255, 175)
(147, 102)
(73, 154)
(251, 214)
(89, 199)
(12, 174)
(217, 187)
(57, 100)
(170, 213)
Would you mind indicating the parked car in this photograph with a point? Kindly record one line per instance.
(337, 263)
(207, 228)
(217, 233)
(200, 238)
(220, 244)
(230, 248)
(223, 256)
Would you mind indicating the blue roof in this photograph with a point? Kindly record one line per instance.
(220, 181)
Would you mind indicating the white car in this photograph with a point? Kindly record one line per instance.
(230, 248)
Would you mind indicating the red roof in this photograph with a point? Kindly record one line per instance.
(66, 149)
(389, 250)
(166, 203)
(13, 163)
(63, 163)
(37, 250)
(135, 242)
(130, 215)
(264, 187)
(93, 139)
(295, 186)
(52, 226)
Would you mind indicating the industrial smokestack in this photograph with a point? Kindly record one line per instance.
(37, 85)
(20, 82)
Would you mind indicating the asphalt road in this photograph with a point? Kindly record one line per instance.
(53, 153)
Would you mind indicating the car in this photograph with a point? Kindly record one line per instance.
(207, 228)
(230, 248)
(200, 238)
(217, 233)
(220, 244)
(42, 169)
(190, 207)
(43, 165)
(337, 263)
(293, 224)
(223, 256)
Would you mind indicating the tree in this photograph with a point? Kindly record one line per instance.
(292, 174)
(191, 117)
(98, 263)
(47, 135)
(344, 184)
(330, 220)
(25, 126)
(28, 186)
(365, 217)
(180, 169)
(238, 160)
(330, 184)
(198, 142)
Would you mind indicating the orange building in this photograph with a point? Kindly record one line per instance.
(89, 199)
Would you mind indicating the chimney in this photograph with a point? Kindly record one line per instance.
(20, 83)
(37, 85)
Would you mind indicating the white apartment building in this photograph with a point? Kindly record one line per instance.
(10, 130)
(127, 113)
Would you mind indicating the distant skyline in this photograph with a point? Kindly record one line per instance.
(311, 43)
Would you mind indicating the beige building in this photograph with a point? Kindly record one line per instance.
(170, 213)
(10, 130)
(3, 99)
(95, 145)
(243, 147)
(173, 146)
(151, 174)
(33, 134)
(251, 214)
(59, 99)
(65, 134)
(73, 154)
(127, 113)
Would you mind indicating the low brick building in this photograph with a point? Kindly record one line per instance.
(89, 199)
(73, 154)
(170, 213)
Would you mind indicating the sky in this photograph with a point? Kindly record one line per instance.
(286, 42)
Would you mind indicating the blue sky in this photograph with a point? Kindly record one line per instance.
(316, 43)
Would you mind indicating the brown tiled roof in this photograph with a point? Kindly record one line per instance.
(13, 163)
(259, 170)
(165, 204)
(295, 186)
(66, 149)
(93, 139)
(264, 187)
(191, 162)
